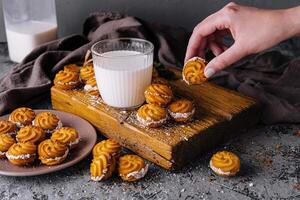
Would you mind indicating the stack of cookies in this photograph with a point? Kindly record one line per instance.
(23, 138)
(107, 159)
(161, 104)
(73, 76)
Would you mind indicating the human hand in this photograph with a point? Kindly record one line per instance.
(252, 29)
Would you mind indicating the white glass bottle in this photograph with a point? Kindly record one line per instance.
(28, 24)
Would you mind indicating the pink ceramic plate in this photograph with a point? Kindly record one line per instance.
(88, 138)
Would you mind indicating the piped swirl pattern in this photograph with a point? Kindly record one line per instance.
(131, 167)
(109, 146)
(225, 163)
(7, 127)
(66, 80)
(102, 166)
(47, 121)
(31, 133)
(152, 115)
(22, 116)
(158, 94)
(52, 153)
(193, 71)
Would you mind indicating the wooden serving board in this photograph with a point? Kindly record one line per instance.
(220, 115)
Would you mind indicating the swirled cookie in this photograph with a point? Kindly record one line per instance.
(152, 115)
(91, 87)
(47, 121)
(102, 166)
(6, 141)
(110, 146)
(181, 110)
(22, 116)
(132, 167)
(193, 71)
(66, 80)
(67, 136)
(31, 133)
(86, 73)
(72, 68)
(21, 153)
(52, 153)
(225, 163)
(158, 94)
(7, 127)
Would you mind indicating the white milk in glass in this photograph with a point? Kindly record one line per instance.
(123, 77)
(22, 38)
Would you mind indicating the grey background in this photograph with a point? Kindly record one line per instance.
(185, 13)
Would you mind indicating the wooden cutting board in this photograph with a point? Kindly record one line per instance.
(220, 115)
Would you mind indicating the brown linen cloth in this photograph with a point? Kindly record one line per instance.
(272, 77)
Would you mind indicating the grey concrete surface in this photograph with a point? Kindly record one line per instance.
(270, 158)
(185, 13)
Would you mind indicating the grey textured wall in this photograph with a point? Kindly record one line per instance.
(185, 13)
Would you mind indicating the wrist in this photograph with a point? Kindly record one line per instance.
(291, 18)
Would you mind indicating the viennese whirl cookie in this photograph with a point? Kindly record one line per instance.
(22, 116)
(102, 166)
(181, 110)
(193, 71)
(152, 115)
(66, 80)
(21, 153)
(86, 73)
(52, 153)
(225, 163)
(31, 133)
(132, 167)
(6, 141)
(72, 68)
(67, 136)
(7, 127)
(110, 146)
(91, 87)
(47, 121)
(158, 94)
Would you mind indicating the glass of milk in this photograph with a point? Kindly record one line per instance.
(28, 24)
(123, 69)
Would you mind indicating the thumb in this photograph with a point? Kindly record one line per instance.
(228, 57)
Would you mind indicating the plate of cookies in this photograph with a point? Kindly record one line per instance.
(35, 142)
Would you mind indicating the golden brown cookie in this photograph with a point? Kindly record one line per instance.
(132, 167)
(102, 166)
(6, 141)
(110, 146)
(31, 133)
(91, 87)
(225, 163)
(152, 115)
(47, 121)
(52, 153)
(86, 73)
(193, 71)
(67, 136)
(21, 153)
(72, 68)
(181, 110)
(66, 80)
(7, 127)
(158, 94)
(22, 116)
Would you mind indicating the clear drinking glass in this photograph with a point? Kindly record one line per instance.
(28, 23)
(123, 69)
